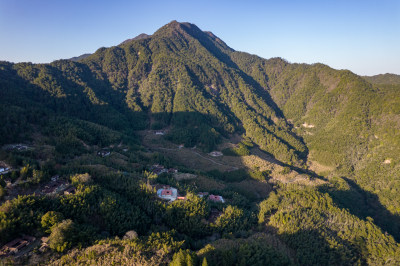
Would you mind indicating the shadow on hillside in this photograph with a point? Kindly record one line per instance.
(67, 97)
(365, 204)
(312, 248)
(358, 201)
(268, 157)
(223, 56)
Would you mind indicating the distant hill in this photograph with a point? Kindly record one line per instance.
(78, 58)
(387, 78)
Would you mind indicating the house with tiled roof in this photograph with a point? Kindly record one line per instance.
(216, 198)
(16, 245)
(167, 193)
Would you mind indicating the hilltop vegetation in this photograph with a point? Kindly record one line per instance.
(336, 131)
(381, 79)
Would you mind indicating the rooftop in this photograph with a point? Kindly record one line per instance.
(168, 193)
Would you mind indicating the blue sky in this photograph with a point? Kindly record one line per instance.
(362, 36)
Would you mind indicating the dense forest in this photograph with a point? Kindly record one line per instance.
(338, 131)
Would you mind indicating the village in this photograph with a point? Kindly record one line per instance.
(26, 243)
(59, 185)
(171, 194)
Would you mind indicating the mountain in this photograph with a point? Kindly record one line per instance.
(182, 76)
(384, 79)
(326, 192)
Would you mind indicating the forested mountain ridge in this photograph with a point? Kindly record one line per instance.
(181, 75)
(347, 123)
(387, 78)
(325, 124)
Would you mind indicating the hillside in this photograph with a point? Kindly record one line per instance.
(347, 124)
(77, 58)
(309, 168)
(387, 78)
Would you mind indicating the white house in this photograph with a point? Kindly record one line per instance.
(169, 193)
(216, 198)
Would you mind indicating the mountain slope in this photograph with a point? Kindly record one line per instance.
(384, 79)
(181, 76)
(348, 125)
(191, 80)
(325, 124)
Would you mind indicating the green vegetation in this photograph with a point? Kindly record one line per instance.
(233, 220)
(384, 79)
(242, 149)
(260, 249)
(50, 219)
(61, 235)
(334, 127)
(322, 233)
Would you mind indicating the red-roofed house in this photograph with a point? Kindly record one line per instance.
(216, 198)
(168, 193)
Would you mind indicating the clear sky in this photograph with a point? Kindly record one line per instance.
(362, 36)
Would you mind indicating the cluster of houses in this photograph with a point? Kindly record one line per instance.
(23, 244)
(171, 194)
(159, 169)
(16, 245)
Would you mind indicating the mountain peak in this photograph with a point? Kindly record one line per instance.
(177, 25)
(191, 30)
(181, 27)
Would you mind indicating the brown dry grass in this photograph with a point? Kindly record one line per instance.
(317, 167)
(195, 159)
(255, 162)
(184, 176)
